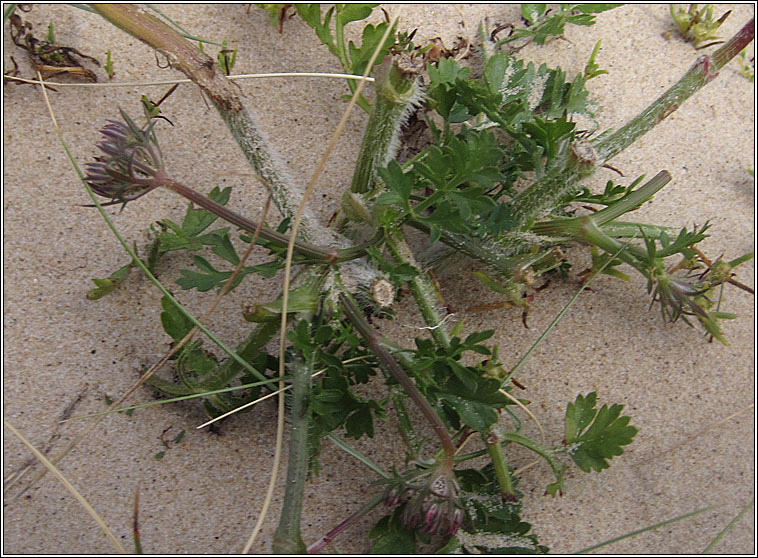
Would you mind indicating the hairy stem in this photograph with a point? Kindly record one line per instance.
(548, 193)
(704, 70)
(396, 93)
(287, 539)
(227, 98)
(422, 288)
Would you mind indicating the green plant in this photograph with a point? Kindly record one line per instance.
(486, 187)
(747, 68)
(696, 25)
(542, 23)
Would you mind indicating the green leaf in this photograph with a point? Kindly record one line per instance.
(311, 15)
(209, 277)
(594, 436)
(493, 526)
(391, 537)
(477, 415)
(532, 12)
(222, 245)
(174, 322)
(110, 284)
(354, 12)
(360, 56)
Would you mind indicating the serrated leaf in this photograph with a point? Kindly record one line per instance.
(222, 245)
(360, 56)
(109, 284)
(596, 435)
(311, 15)
(359, 423)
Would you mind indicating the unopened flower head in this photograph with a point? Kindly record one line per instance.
(131, 159)
(433, 508)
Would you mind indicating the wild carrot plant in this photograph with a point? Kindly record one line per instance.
(466, 157)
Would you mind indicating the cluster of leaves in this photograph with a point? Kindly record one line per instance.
(515, 123)
(493, 525)
(199, 372)
(541, 25)
(467, 395)
(463, 183)
(696, 25)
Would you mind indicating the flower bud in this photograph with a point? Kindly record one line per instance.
(131, 158)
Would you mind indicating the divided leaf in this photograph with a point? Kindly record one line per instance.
(594, 436)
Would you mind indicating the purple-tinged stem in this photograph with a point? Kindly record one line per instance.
(318, 253)
(373, 340)
(343, 525)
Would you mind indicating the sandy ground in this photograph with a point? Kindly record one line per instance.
(691, 400)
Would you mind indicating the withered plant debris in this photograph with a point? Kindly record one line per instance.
(49, 59)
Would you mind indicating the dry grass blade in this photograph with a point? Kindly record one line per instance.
(286, 282)
(64, 481)
(178, 81)
(77, 439)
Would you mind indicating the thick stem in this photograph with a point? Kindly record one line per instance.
(501, 255)
(572, 227)
(549, 192)
(396, 94)
(287, 539)
(497, 456)
(422, 288)
(227, 98)
(373, 341)
(704, 70)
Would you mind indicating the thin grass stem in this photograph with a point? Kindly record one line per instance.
(54, 470)
(644, 530)
(180, 81)
(728, 527)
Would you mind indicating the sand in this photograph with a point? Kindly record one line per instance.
(691, 400)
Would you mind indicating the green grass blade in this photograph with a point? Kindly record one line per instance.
(358, 455)
(175, 399)
(729, 526)
(644, 530)
(8, 11)
(560, 315)
(180, 28)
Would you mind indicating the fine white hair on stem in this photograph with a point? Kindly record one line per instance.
(286, 283)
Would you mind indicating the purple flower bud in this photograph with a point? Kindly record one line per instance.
(130, 161)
